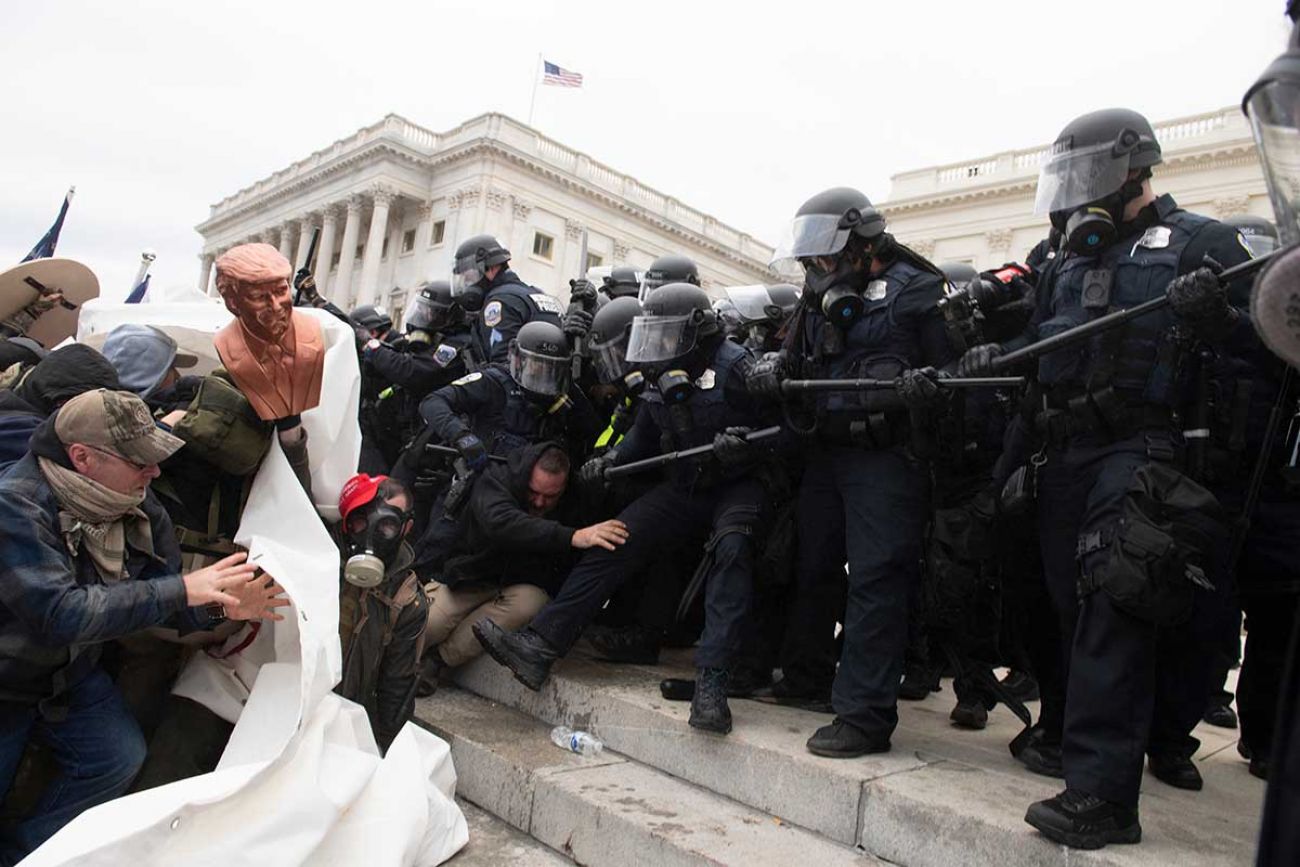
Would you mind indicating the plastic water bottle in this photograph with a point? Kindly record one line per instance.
(577, 742)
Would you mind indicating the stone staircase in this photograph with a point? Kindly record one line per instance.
(662, 793)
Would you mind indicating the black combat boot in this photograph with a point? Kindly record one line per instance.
(842, 740)
(970, 715)
(431, 668)
(1082, 821)
(1178, 771)
(525, 652)
(1021, 686)
(1221, 715)
(709, 710)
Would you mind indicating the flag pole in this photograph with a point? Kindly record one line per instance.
(146, 259)
(537, 68)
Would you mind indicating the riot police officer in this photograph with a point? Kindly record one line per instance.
(374, 320)
(623, 280)
(610, 330)
(482, 281)
(669, 268)
(508, 406)
(438, 349)
(869, 310)
(697, 396)
(1136, 631)
(762, 311)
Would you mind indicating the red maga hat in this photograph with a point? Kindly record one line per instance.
(357, 491)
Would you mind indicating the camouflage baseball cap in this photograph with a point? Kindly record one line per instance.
(116, 422)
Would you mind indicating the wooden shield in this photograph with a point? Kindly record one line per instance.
(77, 283)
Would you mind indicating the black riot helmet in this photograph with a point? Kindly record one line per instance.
(830, 243)
(958, 273)
(1084, 182)
(771, 304)
(622, 281)
(473, 257)
(675, 320)
(671, 268)
(1260, 234)
(539, 360)
(608, 337)
(373, 318)
(433, 309)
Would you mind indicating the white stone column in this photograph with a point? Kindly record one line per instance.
(423, 238)
(205, 271)
(388, 269)
(306, 226)
(341, 291)
(566, 258)
(383, 197)
(325, 253)
(286, 241)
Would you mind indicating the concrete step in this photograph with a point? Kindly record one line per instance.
(492, 842)
(941, 797)
(607, 810)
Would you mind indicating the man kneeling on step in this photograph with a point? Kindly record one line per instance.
(510, 555)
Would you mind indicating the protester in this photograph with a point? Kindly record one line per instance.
(510, 556)
(382, 613)
(87, 555)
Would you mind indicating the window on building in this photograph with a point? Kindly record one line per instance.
(334, 262)
(439, 231)
(360, 252)
(595, 260)
(408, 240)
(383, 251)
(543, 245)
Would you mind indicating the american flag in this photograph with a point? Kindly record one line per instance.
(560, 77)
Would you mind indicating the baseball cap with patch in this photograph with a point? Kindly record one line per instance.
(117, 422)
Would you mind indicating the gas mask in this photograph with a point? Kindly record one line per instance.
(675, 386)
(374, 537)
(1091, 228)
(838, 289)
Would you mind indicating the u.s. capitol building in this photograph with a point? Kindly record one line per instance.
(393, 200)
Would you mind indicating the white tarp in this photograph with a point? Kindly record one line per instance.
(301, 781)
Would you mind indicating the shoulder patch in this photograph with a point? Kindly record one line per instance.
(468, 378)
(707, 380)
(876, 290)
(445, 354)
(492, 314)
(547, 303)
(1245, 245)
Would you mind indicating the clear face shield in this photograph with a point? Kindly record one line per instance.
(610, 359)
(1274, 112)
(1073, 178)
(537, 373)
(424, 315)
(659, 338)
(465, 273)
(810, 237)
(754, 304)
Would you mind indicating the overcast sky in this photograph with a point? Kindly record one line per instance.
(155, 110)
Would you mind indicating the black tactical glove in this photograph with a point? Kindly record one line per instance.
(1198, 297)
(730, 446)
(577, 322)
(305, 285)
(764, 378)
(978, 360)
(582, 292)
(592, 473)
(919, 387)
(471, 448)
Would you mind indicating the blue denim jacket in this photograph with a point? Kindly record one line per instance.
(54, 610)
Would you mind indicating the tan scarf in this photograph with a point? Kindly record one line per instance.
(97, 520)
